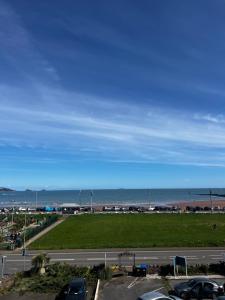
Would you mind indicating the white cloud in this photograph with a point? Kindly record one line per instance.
(131, 132)
(210, 118)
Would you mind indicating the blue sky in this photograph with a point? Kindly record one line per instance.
(112, 94)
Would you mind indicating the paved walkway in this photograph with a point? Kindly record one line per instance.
(41, 233)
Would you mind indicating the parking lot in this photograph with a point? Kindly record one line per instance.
(130, 288)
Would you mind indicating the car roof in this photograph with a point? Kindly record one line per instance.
(203, 279)
(152, 295)
(76, 281)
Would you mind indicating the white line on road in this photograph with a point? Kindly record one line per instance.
(188, 257)
(62, 259)
(53, 259)
(101, 258)
(132, 283)
(145, 257)
(216, 255)
(17, 260)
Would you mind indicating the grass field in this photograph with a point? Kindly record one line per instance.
(134, 231)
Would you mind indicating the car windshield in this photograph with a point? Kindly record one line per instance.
(75, 289)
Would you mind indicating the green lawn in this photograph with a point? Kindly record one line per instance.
(134, 231)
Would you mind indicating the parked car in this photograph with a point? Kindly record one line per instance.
(198, 288)
(157, 296)
(75, 290)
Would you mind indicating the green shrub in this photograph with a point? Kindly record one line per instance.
(218, 268)
(166, 270)
(56, 277)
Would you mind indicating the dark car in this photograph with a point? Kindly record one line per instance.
(198, 288)
(75, 290)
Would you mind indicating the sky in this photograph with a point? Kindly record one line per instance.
(112, 94)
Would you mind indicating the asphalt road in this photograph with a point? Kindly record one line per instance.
(16, 262)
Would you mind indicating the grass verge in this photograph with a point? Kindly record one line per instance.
(134, 231)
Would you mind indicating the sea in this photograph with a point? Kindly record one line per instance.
(101, 197)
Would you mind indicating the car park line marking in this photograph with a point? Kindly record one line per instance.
(132, 283)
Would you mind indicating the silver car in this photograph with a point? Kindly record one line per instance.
(157, 296)
(199, 287)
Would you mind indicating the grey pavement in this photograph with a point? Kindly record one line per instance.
(16, 262)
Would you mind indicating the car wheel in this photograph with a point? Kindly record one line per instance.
(184, 295)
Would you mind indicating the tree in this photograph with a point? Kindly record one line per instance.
(39, 263)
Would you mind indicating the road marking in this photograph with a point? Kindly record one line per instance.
(17, 260)
(132, 283)
(28, 260)
(217, 255)
(101, 258)
(145, 257)
(62, 259)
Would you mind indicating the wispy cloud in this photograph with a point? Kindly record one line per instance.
(41, 114)
(18, 48)
(210, 118)
(146, 133)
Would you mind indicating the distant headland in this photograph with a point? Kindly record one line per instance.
(3, 189)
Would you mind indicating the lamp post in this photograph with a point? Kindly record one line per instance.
(36, 199)
(3, 264)
(79, 197)
(12, 214)
(91, 201)
(24, 242)
(211, 202)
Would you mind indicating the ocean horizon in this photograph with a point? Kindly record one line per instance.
(100, 197)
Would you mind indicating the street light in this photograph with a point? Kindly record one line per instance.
(91, 201)
(24, 241)
(36, 199)
(3, 264)
(211, 203)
